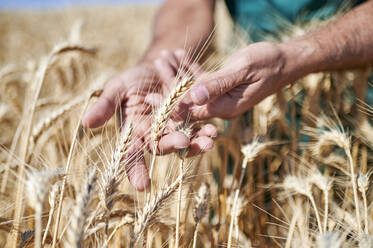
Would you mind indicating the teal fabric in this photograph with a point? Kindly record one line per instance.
(262, 17)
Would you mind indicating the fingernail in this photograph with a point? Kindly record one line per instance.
(209, 146)
(200, 95)
(178, 147)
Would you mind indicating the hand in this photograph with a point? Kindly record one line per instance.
(249, 76)
(133, 93)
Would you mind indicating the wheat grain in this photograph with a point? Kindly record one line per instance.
(145, 216)
(163, 114)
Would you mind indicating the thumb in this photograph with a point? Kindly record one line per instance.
(211, 86)
(106, 104)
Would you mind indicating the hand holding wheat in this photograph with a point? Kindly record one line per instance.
(134, 94)
(249, 76)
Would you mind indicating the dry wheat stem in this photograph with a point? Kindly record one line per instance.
(29, 115)
(250, 151)
(363, 183)
(38, 225)
(354, 188)
(129, 217)
(366, 226)
(178, 207)
(201, 208)
(324, 185)
(52, 202)
(291, 230)
(10, 155)
(312, 200)
(195, 235)
(67, 168)
(234, 204)
(125, 221)
(326, 209)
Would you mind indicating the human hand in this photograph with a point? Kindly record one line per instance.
(249, 76)
(133, 94)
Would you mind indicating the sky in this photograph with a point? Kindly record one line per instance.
(39, 4)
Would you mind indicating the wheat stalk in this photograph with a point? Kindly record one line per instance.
(67, 167)
(250, 152)
(187, 130)
(324, 184)
(29, 116)
(335, 135)
(52, 202)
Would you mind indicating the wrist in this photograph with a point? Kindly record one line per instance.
(300, 58)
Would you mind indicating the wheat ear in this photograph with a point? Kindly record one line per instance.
(163, 114)
(51, 119)
(114, 173)
(363, 183)
(75, 233)
(324, 184)
(29, 116)
(95, 93)
(302, 186)
(145, 216)
(336, 135)
(37, 187)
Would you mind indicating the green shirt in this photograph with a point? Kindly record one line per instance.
(265, 17)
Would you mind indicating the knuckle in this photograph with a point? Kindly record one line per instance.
(222, 85)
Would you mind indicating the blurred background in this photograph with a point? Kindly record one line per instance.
(42, 4)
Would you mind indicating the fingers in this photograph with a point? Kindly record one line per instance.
(208, 130)
(172, 142)
(202, 141)
(105, 106)
(154, 99)
(135, 167)
(166, 71)
(213, 85)
(200, 145)
(231, 105)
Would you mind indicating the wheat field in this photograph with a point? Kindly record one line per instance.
(294, 171)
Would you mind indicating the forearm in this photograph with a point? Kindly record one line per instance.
(344, 43)
(181, 24)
